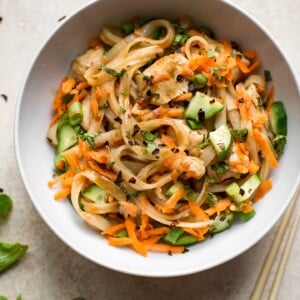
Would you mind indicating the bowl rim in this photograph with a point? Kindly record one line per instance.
(157, 273)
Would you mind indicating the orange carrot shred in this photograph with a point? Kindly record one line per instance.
(115, 241)
(265, 147)
(265, 187)
(114, 229)
(168, 141)
(172, 201)
(198, 211)
(183, 97)
(165, 248)
(221, 205)
(61, 194)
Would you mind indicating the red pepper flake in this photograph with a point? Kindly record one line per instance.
(60, 19)
(4, 97)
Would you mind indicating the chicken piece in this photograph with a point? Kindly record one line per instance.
(167, 89)
(83, 62)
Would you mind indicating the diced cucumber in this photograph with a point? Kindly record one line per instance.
(122, 233)
(95, 193)
(194, 125)
(222, 222)
(246, 216)
(178, 237)
(245, 191)
(278, 118)
(173, 189)
(221, 141)
(202, 104)
(66, 137)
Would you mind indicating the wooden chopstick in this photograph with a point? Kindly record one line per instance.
(283, 260)
(268, 263)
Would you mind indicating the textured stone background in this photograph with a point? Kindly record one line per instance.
(51, 270)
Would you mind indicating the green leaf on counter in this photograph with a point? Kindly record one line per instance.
(3, 298)
(10, 254)
(5, 205)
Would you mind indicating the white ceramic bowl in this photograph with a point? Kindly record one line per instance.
(35, 155)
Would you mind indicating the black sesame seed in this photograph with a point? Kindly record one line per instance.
(212, 101)
(106, 143)
(131, 143)
(201, 115)
(242, 192)
(241, 100)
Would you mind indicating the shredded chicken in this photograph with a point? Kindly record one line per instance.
(83, 62)
(165, 90)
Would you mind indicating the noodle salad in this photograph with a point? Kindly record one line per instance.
(164, 135)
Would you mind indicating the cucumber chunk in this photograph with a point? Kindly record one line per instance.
(203, 106)
(173, 189)
(221, 141)
(95, 193)
(278, 118)
(222, 222)
(66, 137)
(245, 191)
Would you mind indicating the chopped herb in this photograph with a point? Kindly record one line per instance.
(127, 28)
(220, 168)
(211, 53)
(5, 205)
(217, 49)
(133, 195)
(103, 106)
(203, 145)
(112, 72)
(239, 135)
(211, 199)
(268, 76)
(156, 95)
(199, 81)
(19, 297)
(215, 71)
(145, 150)
(67, 98)
(180, 39)
(4, 97)
(62, 18)
(190, 193)
(209, 179)
(156, 34)
(90, 138)
(122, 110)
(10, 254)
(127, 134)
(123, 92)
(148, 136)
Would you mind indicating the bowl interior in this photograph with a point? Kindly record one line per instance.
(35, 155)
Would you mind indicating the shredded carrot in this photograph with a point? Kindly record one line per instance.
(114, 229)
(58, 179)
(172, 201)
(165, 248)
(183, 97)
(197, 232)
(253, 167)
(82, 85)
(98, 157)
(158, 231)
(145, 224)
(160, 77)
(247, 207)
(265, 147)
(68, 85)
(131, 208)
(251, 54)
(136, 244)
(138, 31)
(95, 107)
(112, 176)
(168, 141)
(198, 211)
(242, 66)
(94, 42)
(110, 198)
(254, 66)
(152, 240)
(115, 241)
(192, 31)
(187, 72)
(271, 98)
(221, 205)
(265, 187)
(60, 164)
(73, 161)
(83, 148)
(61, 194)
